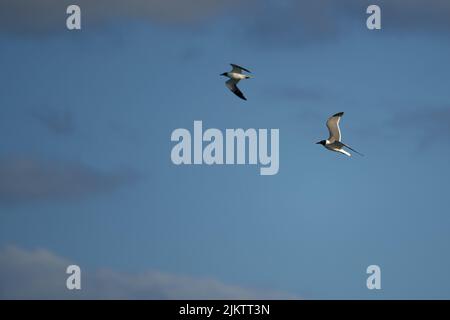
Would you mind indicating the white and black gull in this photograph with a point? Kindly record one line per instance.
(236, 75)
(334, 142)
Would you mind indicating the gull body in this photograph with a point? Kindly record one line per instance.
(336, 147)
(236, 75)
(334, 143)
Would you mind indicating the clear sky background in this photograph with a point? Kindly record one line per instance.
(85, 170)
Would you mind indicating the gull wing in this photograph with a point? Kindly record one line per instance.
(232, 85)
(238, 69)
(333, 127)
(340, 145)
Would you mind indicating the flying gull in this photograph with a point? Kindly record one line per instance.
(236, 75)
(334, 143)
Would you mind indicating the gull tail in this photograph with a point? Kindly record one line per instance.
(353, 150)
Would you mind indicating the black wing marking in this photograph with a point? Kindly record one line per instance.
(231, 84)
(238, 67)
(239, 93)
(352, 149)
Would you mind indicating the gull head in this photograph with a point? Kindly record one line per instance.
(322, 142)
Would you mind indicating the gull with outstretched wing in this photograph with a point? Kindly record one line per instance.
(236, 74)
(334, 142)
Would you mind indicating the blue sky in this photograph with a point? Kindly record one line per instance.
(86, 175)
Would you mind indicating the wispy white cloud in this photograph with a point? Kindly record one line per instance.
(40, 274)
